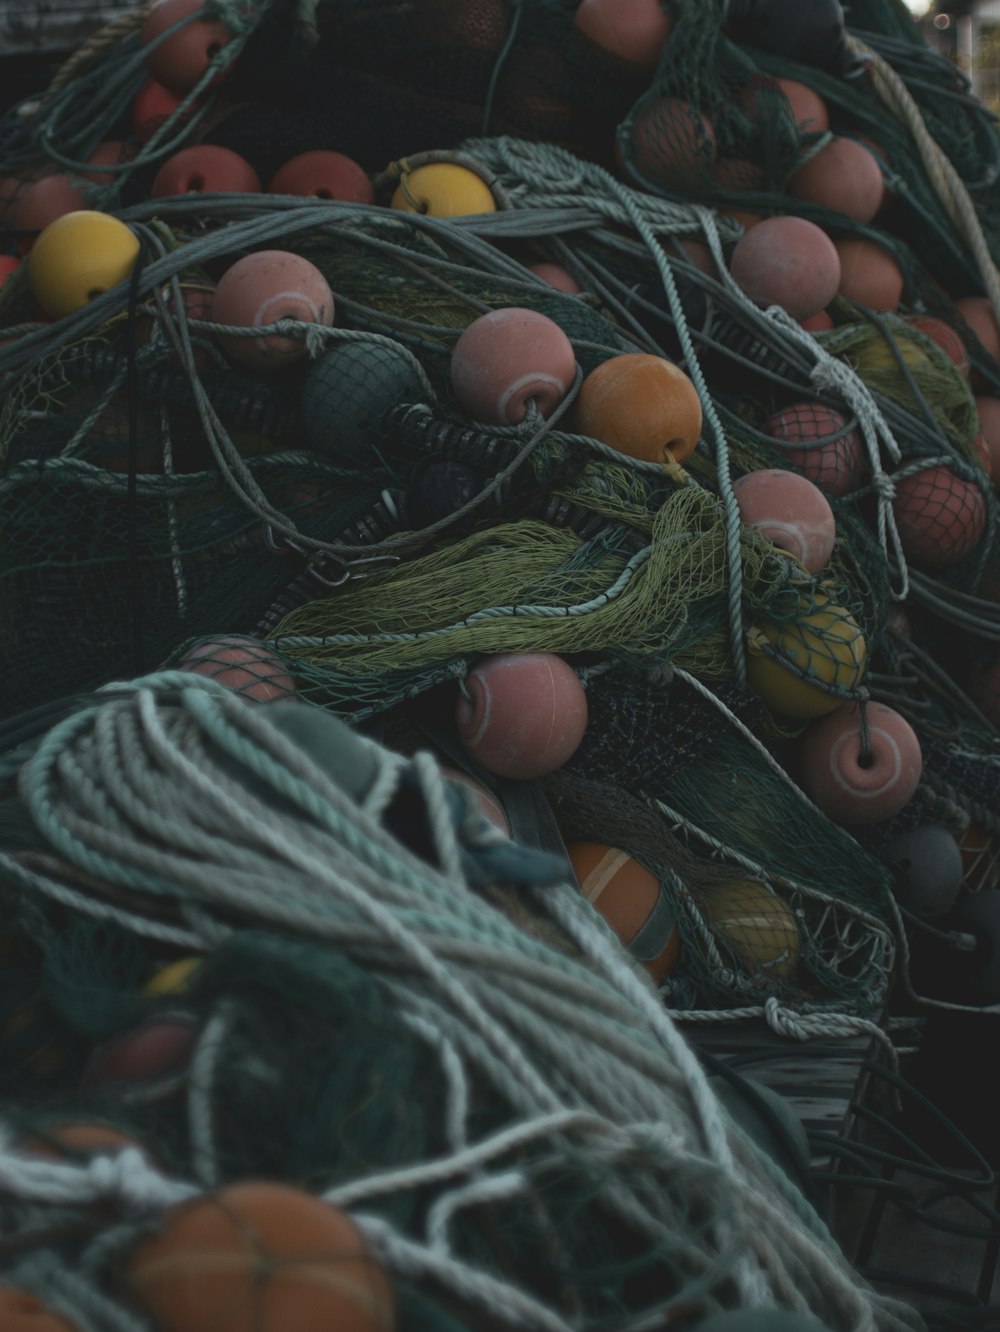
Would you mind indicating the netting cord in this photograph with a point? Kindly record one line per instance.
(141, 791)
(948, 184)
(549, 170)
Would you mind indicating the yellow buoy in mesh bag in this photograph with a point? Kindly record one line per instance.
(825, 643)
(443, 189)
(756, 924)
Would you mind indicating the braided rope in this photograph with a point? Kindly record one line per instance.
(948, 184)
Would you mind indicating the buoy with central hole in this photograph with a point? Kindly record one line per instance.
(258, 1256)
(843, 177)
(241, 663)
(787, 261)
(642, 405)
(790, 512)
(824, 642)
(347, 393)
(521, 715)
(869, 274)
(77, 258)
(633, 30)
(929, 865)
(672, 143)
(632, 901)
(323, 174)
(443, 189)
(205, 168)
(22, 1311)
(263, 288)
(837, 464)
(849, 786)
(757, 925)
(941, 517)
(509, 360)
(181, 59)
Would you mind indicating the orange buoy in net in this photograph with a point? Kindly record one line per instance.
(832, 455)
(243, 664)
(940, 516)
(632, 901)
(259, 1257)
(642, 405)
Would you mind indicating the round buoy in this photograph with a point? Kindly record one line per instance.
(509, 360)
(808, 108)
(672, 143)
(977, 311)
(790, 512)
(488, 804)
(521, 715)
(843, 177)
(850, 786)
(837, 464)
(632, 30)
(869, 274)
(181, 59)
(787, 261)
(757, 926)
(929, 864)
(642, 405)
(43, 201)
(243, 664)
(632, 901)
(263, 288)
(323, 175)
(157, 1049)
(258, 1257)
(556, 276)
(945, 336)
(77, 258)
(941, 517)
(347, 393)
(152, 107)
(443, 189)
(205, 168)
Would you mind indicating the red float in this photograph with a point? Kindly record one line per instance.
(323, 175)
(205, 168)
(790, 262)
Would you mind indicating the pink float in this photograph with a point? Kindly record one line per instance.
(836, 776)
(837, 466)
(787, 261)
(263, 288)
(508, 359)
(844, 177)
(633, 30)
(941, 518)
(790, 512)
(521, 715)
(243, 664)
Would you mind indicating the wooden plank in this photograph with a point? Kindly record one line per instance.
(28, 28)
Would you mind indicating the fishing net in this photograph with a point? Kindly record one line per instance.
(313, 997)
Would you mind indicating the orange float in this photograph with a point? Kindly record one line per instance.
(259, 1257)
(642, 405)
(632, 901)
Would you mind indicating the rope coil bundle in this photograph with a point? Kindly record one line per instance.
(319, 884)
